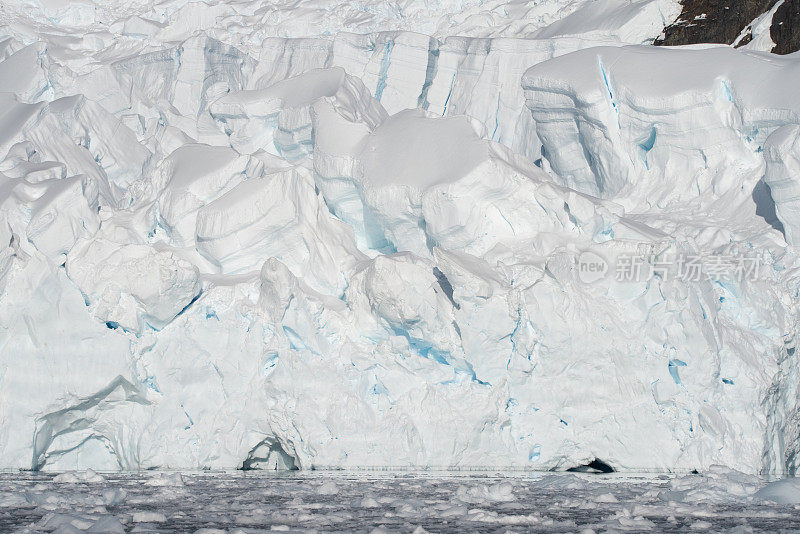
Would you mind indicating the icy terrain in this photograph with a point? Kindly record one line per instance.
(214, 503)
(249, 234)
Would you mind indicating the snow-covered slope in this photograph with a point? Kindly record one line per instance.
(250, 20)
(240, 234)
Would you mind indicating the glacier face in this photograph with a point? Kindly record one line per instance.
(281, 243)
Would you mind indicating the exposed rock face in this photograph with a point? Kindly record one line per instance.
(785, 29)
(724, 21)
(713, 21)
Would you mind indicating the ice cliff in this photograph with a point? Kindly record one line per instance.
(313, 239)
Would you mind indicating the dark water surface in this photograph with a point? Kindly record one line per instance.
(394, 502)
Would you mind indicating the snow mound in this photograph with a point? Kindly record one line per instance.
(785, 491)
(257, 19)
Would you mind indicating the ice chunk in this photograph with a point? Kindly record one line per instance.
(278, 117)
(446, 186)
(80, 476)
(501, 492)
(394, 65)
(62, 212)
(717, 484)
(190, 178)
(132, 286)
(513, 207)
(166, 479)
(613, 132)
(419, 310)
(785, 491)
(782, 155)
(109, 145)
(207, 66)
(80, 135)
(328, 487)
(278, 215)
(282, 58)
(24, 73)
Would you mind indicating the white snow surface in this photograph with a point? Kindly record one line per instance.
(251, 234)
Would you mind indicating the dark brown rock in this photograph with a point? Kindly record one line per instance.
(723, 21)
(714, 21)
(785, 30)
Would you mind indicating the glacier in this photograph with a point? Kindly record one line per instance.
(239, 235)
